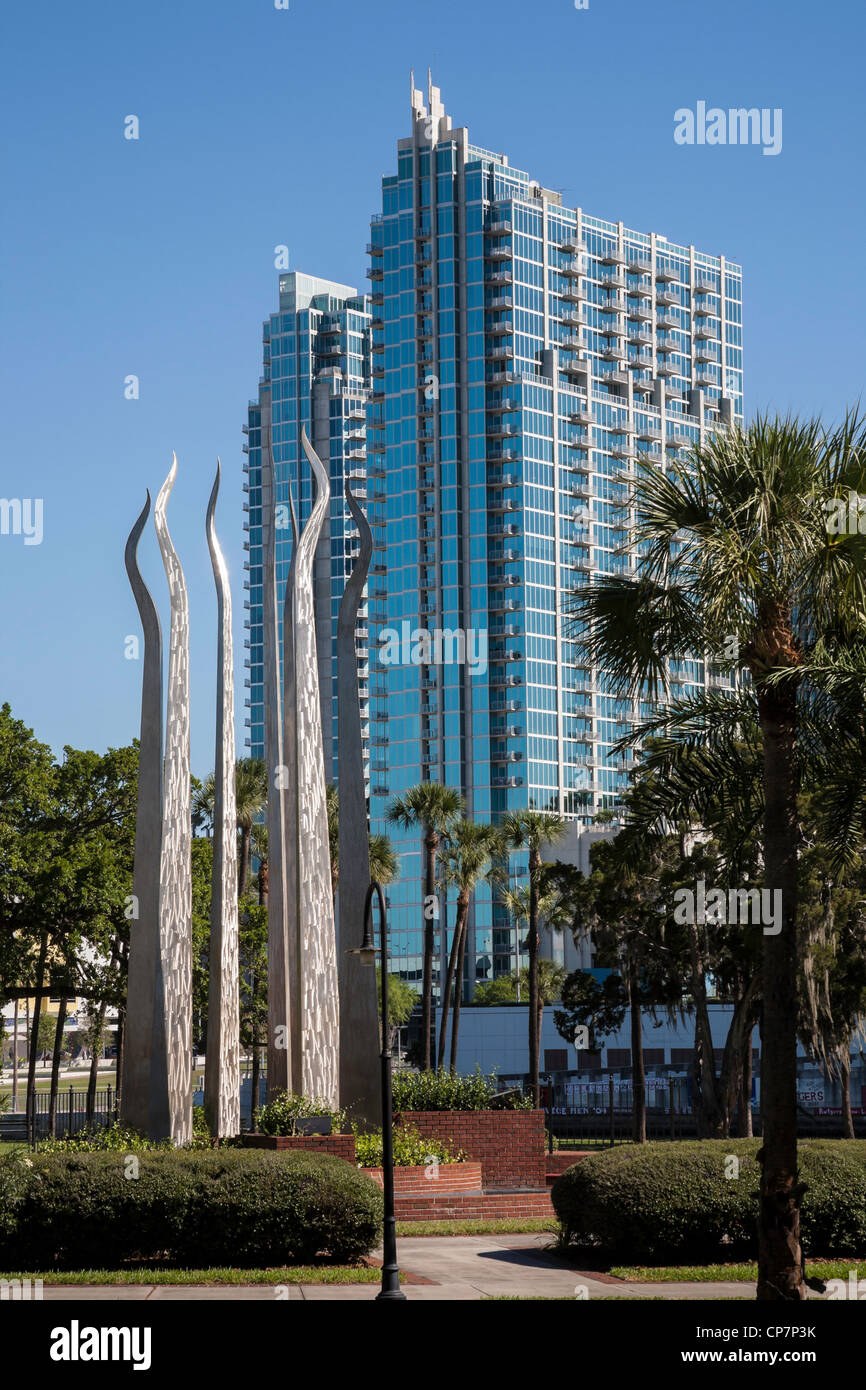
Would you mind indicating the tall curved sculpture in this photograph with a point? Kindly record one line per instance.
(360, 1087)
(314, 1005)
(175, 883)
(222, 1070)
(279, 1053)
(144, 1094)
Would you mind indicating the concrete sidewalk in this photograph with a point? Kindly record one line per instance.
(454, 1268)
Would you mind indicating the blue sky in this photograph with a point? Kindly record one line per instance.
(260, 127)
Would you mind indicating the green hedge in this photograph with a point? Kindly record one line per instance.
(445, 1090)
(653, 1201)
(227, 1207)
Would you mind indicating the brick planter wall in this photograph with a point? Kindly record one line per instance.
(414, 1181)
(341, 1145)
(509, 1144)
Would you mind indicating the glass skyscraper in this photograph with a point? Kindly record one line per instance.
(316, 375)
(523, 355)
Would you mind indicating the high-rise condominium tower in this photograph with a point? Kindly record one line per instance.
(522, 355)
(525, 354)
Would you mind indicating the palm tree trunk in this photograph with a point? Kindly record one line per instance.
(780, 1262)
(55, 1067)
(638, 1075)
(34, 1032)
(256, 1071)
(449, 983)
(15, 1057)
(845, 1082)
(532, 953)
(431, 842)
(458, 996)
(745, 1101)
(244, 867)
(710, 1122)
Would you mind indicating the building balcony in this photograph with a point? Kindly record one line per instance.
(638, 263)
(498, 429)
(639, 361)
(613, 280)
(667, 321)
(501, 504)
(665, 367)
(639, 311)
(706, 352)
(571, 243)
(667, 297)
(573, 293)
(667, 274)
(498, 277)
(581, 417)
(573, 269)
(616, 378)
(703, 311)
(502, 227)
(703, 285)
(614, 255)
(639, 337)
(423, 231)
(612, 352)
(499, 326)
(500, 352)
(377, 373)
(375, 272)
(643, 384)
(377, 298)
(498, 252)
(502, 301)
(575, 366)
(648, 432)
(614, 304)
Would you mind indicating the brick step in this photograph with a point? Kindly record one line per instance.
(456, 1206)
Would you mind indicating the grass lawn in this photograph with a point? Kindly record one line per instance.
(738, 1273)
(292, 1274)
(504, 1225)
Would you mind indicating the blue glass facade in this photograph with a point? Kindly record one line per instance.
(316, 376)
(522, 355)
(530, 352)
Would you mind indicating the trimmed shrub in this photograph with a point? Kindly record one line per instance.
(226, 1207)
(410, 1149)
(280, 1115)
(444, 1090)
(655, 1201)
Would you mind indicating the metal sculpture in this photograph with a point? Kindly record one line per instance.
(144, 1094)
(222, 1069)
(175, 880)
(359, 1019)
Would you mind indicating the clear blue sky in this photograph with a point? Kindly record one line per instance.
(260, 126)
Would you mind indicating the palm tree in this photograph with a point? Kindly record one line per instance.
(333, 809)
(556, 913)
(433, 808)
(466, 857)
(739, 568)
(251, 798)
(530, 830)
(384, 860)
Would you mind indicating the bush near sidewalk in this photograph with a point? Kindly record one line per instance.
(228, 1207)
(654, 1201)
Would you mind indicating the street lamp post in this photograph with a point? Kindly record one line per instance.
(367, 951)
